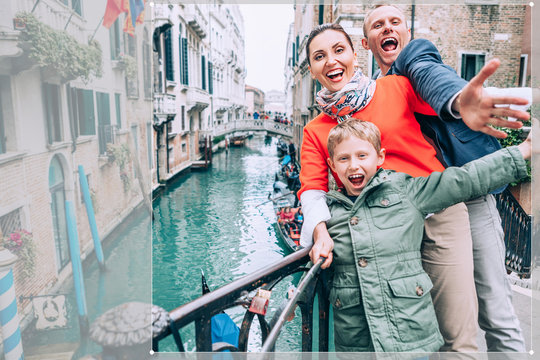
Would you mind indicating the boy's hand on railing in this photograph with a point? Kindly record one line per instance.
(322, 245)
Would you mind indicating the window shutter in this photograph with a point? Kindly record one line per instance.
(210, 78)
(203, 72)
(185, 77)
(169, 70)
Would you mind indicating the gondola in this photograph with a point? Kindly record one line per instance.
(283, 196)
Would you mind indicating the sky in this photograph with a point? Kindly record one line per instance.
(266, 28)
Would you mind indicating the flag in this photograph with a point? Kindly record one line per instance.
(113, 9)
(136, 7)
(140, 18)
(128, 26)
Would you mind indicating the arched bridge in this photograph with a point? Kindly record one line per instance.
(270, 126)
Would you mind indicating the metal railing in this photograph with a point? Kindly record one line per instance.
(517, 233)
(201, 310)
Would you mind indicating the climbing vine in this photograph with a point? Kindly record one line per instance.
(58, 51)
(119, 154)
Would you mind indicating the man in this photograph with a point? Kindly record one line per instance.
(387, 36)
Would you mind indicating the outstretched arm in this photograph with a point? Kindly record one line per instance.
(477, 106)
(438, 84)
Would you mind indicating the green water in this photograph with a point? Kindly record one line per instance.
(210, 220)
(127, 278)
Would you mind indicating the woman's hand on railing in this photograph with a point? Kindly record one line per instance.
(322, 245)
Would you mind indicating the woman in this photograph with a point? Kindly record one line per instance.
(390, 103)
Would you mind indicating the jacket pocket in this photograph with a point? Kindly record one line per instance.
(351, 330)
(413, 310)
(386, 210)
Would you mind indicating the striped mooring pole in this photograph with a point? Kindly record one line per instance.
(9, 317)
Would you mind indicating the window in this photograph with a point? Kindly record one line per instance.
(210, 78)
(118, 111)
(58, 210)
(115, 40)
(203, 72)
(185, 79)
(7, 131)
(169, 61)
(81, 110)
(105, 130)
(51, 99)
(523, 70)
(132, 83)
(149, 149)
(147, 71)
(471, 65)
(184, 148)
(183, 111)
(10, 223)
(74, 4)
(180, 56)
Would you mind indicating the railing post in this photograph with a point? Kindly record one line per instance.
(203, 334)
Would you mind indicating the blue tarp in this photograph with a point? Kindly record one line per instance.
(286, 160)
(224, 330)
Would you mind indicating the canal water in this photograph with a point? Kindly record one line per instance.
(127, 253)
(218, 221)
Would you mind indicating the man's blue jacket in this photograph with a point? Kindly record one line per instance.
(436, 83)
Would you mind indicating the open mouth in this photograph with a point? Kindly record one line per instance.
(335, 73)
(389, 44)
(356, 180)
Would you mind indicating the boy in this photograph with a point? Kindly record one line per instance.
(380, 294)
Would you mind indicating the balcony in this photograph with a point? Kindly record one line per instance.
(196, 21)
(197, 99)
(164, 104)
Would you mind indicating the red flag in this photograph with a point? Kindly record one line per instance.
(112, 11)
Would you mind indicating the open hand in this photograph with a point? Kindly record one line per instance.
(477, 107)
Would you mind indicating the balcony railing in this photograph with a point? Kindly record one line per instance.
(164, 104)
(517, 233)
(201, 310)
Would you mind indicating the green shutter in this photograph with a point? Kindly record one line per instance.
(185, 77)
(203, 72)
(104, 120)
(210, 78)
(169, 70)
(118, 111)
(87, 124)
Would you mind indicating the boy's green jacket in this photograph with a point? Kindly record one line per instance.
(383, 232)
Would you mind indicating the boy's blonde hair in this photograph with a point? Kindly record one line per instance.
(354, 127)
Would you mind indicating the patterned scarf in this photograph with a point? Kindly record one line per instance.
(354, 96)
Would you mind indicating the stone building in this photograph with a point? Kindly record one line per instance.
(274, 101)
(88, 106)
(467, 36)
(254, 100)
(198, 79)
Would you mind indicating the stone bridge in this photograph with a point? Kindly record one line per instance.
(270, 126)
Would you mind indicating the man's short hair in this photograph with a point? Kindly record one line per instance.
(364, 130)
(364, 26)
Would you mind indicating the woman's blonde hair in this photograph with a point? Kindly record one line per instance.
(354, 127)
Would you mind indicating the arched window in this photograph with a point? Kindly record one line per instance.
(58, 210)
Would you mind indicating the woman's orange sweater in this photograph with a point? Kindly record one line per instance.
(392, 109)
